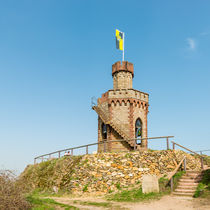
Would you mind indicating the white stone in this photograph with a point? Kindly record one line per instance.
(114, 173)
(55, 189)
(150, 184)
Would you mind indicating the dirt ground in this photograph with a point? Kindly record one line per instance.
(165, 203)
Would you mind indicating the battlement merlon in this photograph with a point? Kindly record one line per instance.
(124, 94)
(124, 66)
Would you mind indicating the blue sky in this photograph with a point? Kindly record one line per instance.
(56, 54)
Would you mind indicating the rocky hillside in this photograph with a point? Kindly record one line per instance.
(103, 172)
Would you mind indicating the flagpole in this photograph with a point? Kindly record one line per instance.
(123, 45)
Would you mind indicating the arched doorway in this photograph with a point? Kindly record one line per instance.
(138, 130)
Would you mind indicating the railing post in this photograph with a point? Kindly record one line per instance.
(59, 154)
(34, 161)
(167, 142)
(172, 184)
(173, 146)
(104, 146)
(134, 144)
(49, 157)
(185, 165)
(72, 152)
(201, 162)
(86, 149)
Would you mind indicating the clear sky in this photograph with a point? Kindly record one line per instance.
(56, 54)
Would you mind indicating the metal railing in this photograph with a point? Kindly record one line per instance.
(104, 143)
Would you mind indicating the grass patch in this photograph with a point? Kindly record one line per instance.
(163, 185)
(48, 193)
(176, 178)
(46, 204)
(203, 189)
(206, 160)
(98, 204)
(136, 194)
(133, 196)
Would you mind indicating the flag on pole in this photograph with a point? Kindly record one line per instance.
(119, 40)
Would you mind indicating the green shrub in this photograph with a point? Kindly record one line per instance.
(199, 190)
(118, 186)
(203, 188)
(85, 188)
(163, 184)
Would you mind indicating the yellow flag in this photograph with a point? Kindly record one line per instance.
(119, 40)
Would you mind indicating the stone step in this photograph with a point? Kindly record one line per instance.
(186, 187)
(183, 194)
(193, 172)
(185, 190)
(187, 184)
(188, 180)
(193, 178)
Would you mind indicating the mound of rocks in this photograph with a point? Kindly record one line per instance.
(104, 172)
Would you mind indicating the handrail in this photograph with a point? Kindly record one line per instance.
(98, 143)
(201, 157)
(176, 169)
(201, 151)
(117, 121)
(170, 176)
(174, 143)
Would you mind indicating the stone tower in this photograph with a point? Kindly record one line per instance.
(122, 112)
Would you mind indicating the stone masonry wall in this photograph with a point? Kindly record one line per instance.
(122, 80)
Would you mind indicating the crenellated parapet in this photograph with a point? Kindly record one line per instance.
(124, 66)
(125, 95)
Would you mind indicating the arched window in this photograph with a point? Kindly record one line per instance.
(138, 128)
(104, 131)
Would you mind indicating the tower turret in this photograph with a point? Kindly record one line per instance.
(122, 74)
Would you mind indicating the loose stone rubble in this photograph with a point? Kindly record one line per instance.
(107, 172)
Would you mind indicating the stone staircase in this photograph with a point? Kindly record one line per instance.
(119, 129)
(188, 183)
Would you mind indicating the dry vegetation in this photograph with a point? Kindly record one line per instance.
(11, 192)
